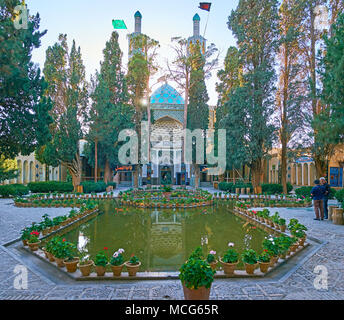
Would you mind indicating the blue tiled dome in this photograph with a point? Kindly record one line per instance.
(167, 95)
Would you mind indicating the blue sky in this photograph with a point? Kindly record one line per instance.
(89, 23)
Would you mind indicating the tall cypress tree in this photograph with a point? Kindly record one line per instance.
(289, 98)
(198, 109)
(24, 117)
(255, 25)
(110, 112)
(332, 130)
(67, 87)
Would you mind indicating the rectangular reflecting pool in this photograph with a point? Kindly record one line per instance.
(164, 238)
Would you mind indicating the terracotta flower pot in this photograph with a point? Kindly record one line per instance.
(59, 262)
(71, 265)
(213, 265)
(132, 269)
(293, 247)
(250, 268)
(24, 242)
(264, 266)
(100, 270)
(302, 241)
(117, 270)
(201, 293)
(273, 260)
(34, 246)
(85, 269)
(50, 256)
(228, 268)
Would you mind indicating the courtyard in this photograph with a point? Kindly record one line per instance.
(295, 282)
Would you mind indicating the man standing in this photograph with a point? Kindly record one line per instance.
(327, 191)
(317, 194)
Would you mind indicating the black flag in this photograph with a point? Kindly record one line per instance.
(205, 6)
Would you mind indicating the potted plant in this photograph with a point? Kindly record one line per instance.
(71, 262)
(133, 265)
(196, 276)
(60, 251)
(264, 261)
(25, 235)
(85, 265)
(230, 260)
(211, 259)
(33, 241)
(249, 257)
(100, 262)
(117, 263)
(272, 247)
(282, 224)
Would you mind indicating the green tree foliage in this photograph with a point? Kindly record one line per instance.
(198, 109)
(67, 87)
(333, 91)
(249, 132)
(110, 112)
(8, 169)
(289, 98)
(24, 117)
(141, 66)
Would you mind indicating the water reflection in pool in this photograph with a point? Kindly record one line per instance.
(164, 238)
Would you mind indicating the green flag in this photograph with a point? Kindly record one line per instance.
(119, 24)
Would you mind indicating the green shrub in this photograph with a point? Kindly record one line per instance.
(50, 186)
(231, 187)
(340, 196)
(196, 273)
(13, 190)
(91, 186)
(303, 192)
(275, 188)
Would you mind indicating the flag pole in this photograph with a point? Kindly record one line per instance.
(206, 25)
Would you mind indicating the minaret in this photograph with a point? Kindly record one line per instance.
(197, 38)
(196, 24)
(138, 23)
(138, 20)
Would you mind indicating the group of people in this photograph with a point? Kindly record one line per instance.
(320, 194)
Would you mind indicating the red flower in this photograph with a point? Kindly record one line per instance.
(106, 248)
(63, 240)
(132, 254)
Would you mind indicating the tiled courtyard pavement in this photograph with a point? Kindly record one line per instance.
(297, 285)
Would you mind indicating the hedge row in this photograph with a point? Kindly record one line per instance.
(59, 186)
(230, 187)
(13, 190)
(340, 196)
(275, 188)
(50, 186)
(306, 192)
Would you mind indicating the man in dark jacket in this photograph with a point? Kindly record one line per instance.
(327, 191)
(317, 194)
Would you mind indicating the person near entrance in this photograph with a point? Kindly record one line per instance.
(317, 195)
(327, 191)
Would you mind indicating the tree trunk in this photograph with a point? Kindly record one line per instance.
(107, 172)
(197, 175)
(257, 174)
(320, 167)
(75, 170)
(136, 177)
(95, 160)
(284, 167)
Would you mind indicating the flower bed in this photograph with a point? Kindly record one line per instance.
(163, 198)
(262, 201)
